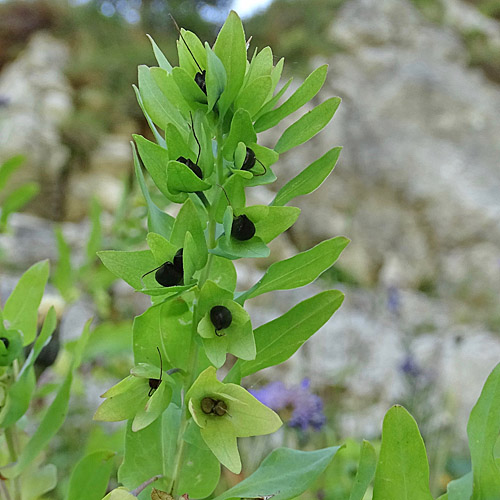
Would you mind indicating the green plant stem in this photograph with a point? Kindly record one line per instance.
(193, 358)
(11, 440)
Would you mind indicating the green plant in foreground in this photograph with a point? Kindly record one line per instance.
(183, 421)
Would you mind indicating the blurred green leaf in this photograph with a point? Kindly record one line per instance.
(308, 125)
(285, 474)
(21, 308)
(277, 340)
(309, 179)
(9, 167)
(37, 481)
(63, 276)
(15, 200)
(483, 429)
(402, 471)
(89, 479)
(366, 471)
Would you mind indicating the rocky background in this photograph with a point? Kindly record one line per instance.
(416, 190)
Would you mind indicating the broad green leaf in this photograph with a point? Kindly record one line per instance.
(158, 221)
(366, 471)
(276, 221)
(308, 125)
(253, 248)
(301, 96)
(159, 139)
(177, 146)
(22, 389)
(161, 110)
(166, 83)
(161, 248)
(180, 178)
(299, 270)
(53, 417)
(277, 340)
(222, 273)
(9, 167)
(459, 489)
(402, 470)
(285, 473)
(36, 481)
(15, 200)
(160, 57)
(309, 179)
(216, 78)
(241, 131)
(188, 220)
(230, 47)
(253, 96)
(483, 429)
(97, 466)
(129, 266)
(21, 308)
(222, 442)
(190, 90)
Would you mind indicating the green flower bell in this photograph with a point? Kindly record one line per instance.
(225, 412)
(225, 326)
(142, 396)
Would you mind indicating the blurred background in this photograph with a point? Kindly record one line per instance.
(417, 190)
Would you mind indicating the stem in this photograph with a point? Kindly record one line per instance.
(11, 440)
(193, 358)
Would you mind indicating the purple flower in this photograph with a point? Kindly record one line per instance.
(410, 367)
(306, 407)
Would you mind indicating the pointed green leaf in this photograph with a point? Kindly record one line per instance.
(309, 179)
(276, 221)
(254, 95)
(21, 308)
(168, 86)
(230, 47)
(223, 273)
(402, 470)
(298, 270)
(221, 440)
(269, 105)
(160, 109)
(158, 221)
(366, 471)
(194, 96)
(483, 429)
(97, 466)
(285, 474)
(216, 78)
(129, 266)
(308, 125)
(241, 131)
(160, 57)
(180, 178)
(277, 340)
(261, 65)
(158, 138)
(301, 96)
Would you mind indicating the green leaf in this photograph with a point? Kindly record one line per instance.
(15, 200)
(275, 221)
(216, 78)
(129, 266)
(97, 466)
(158, 221)
(309, 179)
(241, 131)
(180, 178)
(301, 96)
(285, 473)
(161, 110)
(160, 57)
(223, 273)
(459, 489)
(253, 248)
(194, 57)
(53, 417)
(254, 95)
(36, 481)
(402, 470)
(260, 65)
(21, 308)
(194, 96)
(94, 242)
(308, 125)
(159, 139)
(22, 389)
(277, 340)
(269, 105)
(64, 276)
(483, 429)
(366, 471)
(166, 83)
(298, 270)
(230, 47)
(9, 167)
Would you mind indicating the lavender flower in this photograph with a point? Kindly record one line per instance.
(306, 407)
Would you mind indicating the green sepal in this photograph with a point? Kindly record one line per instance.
(181, 179)
(245, 416)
